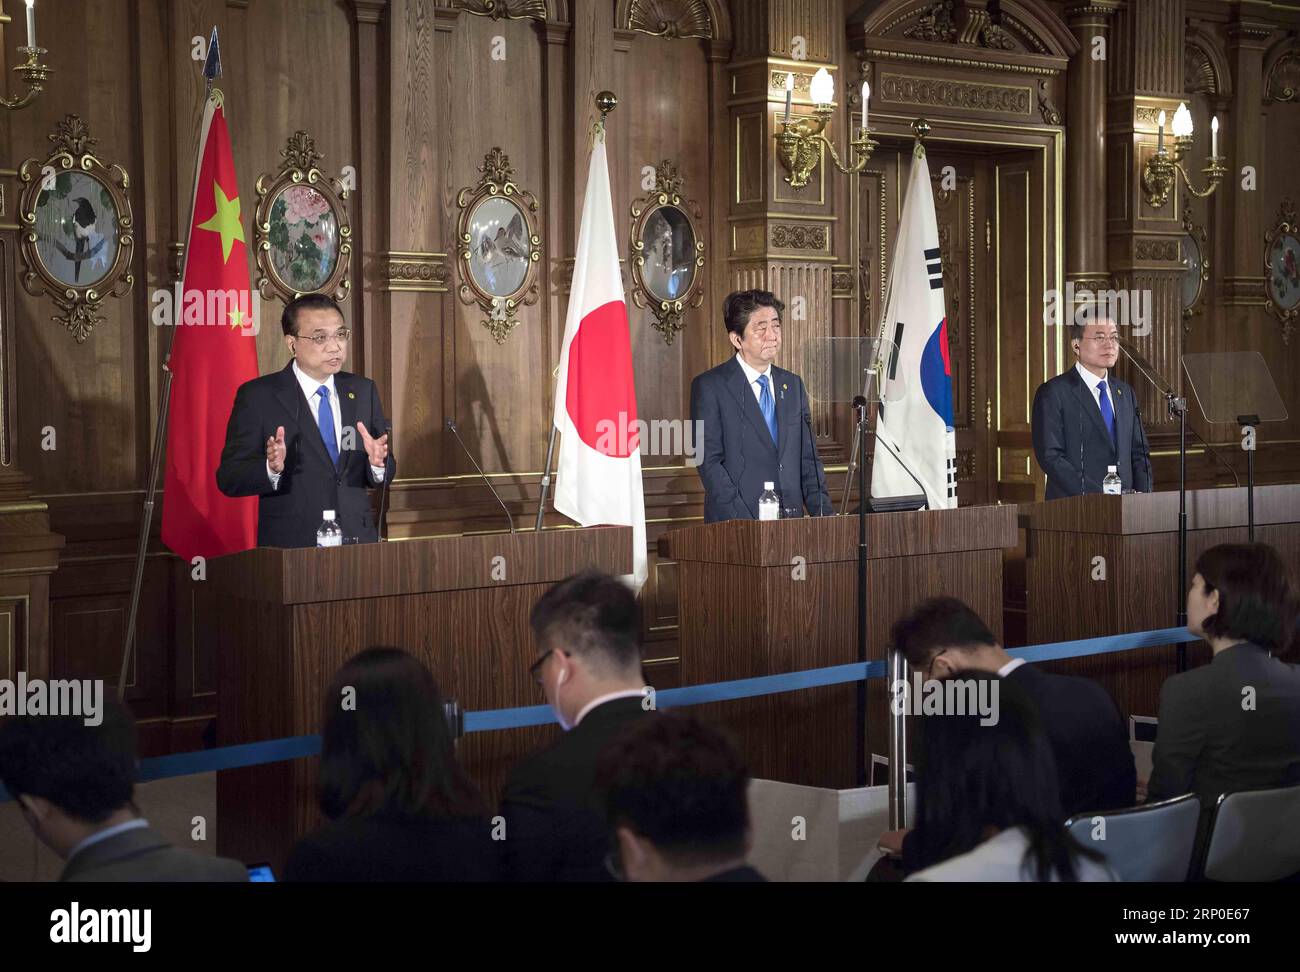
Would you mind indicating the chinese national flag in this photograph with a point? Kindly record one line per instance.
(214, 351)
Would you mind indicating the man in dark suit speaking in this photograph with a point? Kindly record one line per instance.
(1086, 420)
(755, 420)
(310, 437)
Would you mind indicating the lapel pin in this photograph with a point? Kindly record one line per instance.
(351, 395)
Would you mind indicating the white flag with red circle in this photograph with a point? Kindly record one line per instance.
(599, 476)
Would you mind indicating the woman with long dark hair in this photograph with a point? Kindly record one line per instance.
(1233, 724)
(399, 806)
(988, 803)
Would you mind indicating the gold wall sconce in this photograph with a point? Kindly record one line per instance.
(799, 142)
(33, 73)
(1158, 175)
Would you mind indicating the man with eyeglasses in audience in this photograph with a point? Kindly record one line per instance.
(1087, 420)
(310, 437)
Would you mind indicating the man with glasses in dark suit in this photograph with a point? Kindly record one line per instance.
(1087, 420)
(310, 437)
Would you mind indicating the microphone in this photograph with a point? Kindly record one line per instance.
(451, 424)
(1146, 447)
(383, 489)
(821, 482)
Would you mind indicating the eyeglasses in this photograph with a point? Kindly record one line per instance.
(320, 340)
(1104, 339)
(535, 669)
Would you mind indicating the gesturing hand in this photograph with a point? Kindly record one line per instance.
(376, 449)
(275, 451)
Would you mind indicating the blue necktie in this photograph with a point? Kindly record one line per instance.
(767, 406)
(325, 420)
(1107, 411)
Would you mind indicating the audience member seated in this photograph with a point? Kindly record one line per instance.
(988, 804)
(587, 631)
(1084, 726)
(399, 806)
(676, 798)
(1233, 724)
(75, 785)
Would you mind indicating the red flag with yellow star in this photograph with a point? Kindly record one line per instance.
(214, 351)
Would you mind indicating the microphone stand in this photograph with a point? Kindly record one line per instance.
(860, 404)
(1177, 406)
(451, 424)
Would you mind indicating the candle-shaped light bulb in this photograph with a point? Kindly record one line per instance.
(31, 23)
(1160, 131)
(1183, 126)
(822, 88)
(789, 93)
(866, 96)
(1214, 136)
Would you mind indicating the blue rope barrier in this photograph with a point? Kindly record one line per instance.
(298, 747)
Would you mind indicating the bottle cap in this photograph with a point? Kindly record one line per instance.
(1110, 468)
(329, 514)
(769, 485)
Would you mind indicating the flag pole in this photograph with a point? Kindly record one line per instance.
(211, 71)
(606, 102)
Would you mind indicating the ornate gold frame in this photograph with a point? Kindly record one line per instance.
(72, 146)
(1287, 225)
(665, 195)
(498, 181)
(1198, 234)
(299, 166)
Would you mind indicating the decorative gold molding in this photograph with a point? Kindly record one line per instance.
(1283, 82)
(505, 9)
(842, 281)
(666, 195)
(414, 271)
(965, 95)
(1047, 107)
(299, 167)
(794, 237)
(71, 153)
(1287, 225)
(1161, 249)
(885, 54)
(1200, 239)
(497, 182)
(670, 18)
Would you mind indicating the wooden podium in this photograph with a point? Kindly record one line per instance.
(1136, 535)
(762, 598)
(284, 620)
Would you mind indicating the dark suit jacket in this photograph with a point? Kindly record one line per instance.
(1208, 744)
(555, 819)
(384, 847)
(143, 855)
(737, 875)
(1072, 442)
(739, 455)
(1094, 762)
(291, 515)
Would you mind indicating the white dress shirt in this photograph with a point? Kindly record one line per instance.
(1010, 667)
(309, 388)
(602, 699)
(1093, 383)
(752, 377)
(138, 823)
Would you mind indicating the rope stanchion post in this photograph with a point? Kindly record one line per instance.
(897, 740)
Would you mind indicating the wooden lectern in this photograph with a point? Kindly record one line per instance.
(284, 620)
(1101, 565)
(762, 598)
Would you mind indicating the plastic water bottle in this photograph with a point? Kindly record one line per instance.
(769, 505)
(1112, 485)
(330, 533)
